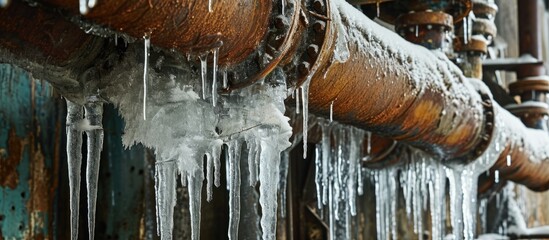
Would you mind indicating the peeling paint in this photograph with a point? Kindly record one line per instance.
(9, 176)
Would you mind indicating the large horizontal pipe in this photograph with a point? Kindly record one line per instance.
(397, 89)
(376, 81)
(187, 26)
(410, 94)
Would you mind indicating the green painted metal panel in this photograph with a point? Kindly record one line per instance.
(29, 155)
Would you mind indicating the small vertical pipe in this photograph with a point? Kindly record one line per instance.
(529, 31)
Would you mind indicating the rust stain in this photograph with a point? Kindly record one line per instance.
(9, 177)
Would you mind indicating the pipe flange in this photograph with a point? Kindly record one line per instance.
(279, 40)
(485, 27)
(486, 134)
(475, 46)
(316, 17)
(424, 18)
(485, 10)
(532, 114)
(428, 29)
(458, 9)
(526, 85)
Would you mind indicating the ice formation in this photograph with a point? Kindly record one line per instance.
(75, 114)
(184, 128)
(86, 5)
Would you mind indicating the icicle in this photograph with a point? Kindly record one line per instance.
(94, 115)
(252, 166)
(165, 173)
(356, 137)
(283, 6)
(210, 5)
(204, 71)
(195, 199)
(234, 187)
(284, 164)
(496, 176)
(216, 152)
(466, 30)
(214, 81)
(209, 176)
(369, 147)
(305, 104)
(145, 74)
(318, 175)
(91, 3)
(326, 170)
(332, 111)
(83, 6)
(508, 160)
(297, 99)
(225, 80)
(268, 176)
(417, 30)
(74, 161)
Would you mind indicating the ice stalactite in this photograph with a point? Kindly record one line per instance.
(214, 76)
(386, 195)
(305, 104)
(194, 186)
(147, 44)
(94, 116)
(75, 114)
(86, 5)
(183, 126)
(210, 5)
(269, 178)
(204, 73)
(233, 149)
(337, 175)
(165, 183)
(284, 167)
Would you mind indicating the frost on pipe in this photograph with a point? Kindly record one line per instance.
(182, 128)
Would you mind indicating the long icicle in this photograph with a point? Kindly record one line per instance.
(145, 74)
(75, 114)
(94, 115)
(195, 181)
(234, 188)
(164, 182)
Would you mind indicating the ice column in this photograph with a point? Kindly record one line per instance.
(75, 115)
(94, 116)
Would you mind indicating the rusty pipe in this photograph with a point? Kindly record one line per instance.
(186, 26)
(529, 32)
(415, 96)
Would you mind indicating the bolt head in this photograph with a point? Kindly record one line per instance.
(304, 68)
(319, 26)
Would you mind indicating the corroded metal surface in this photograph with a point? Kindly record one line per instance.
(42, 37)
(30, 140)
(187, 26)
(421, 115)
